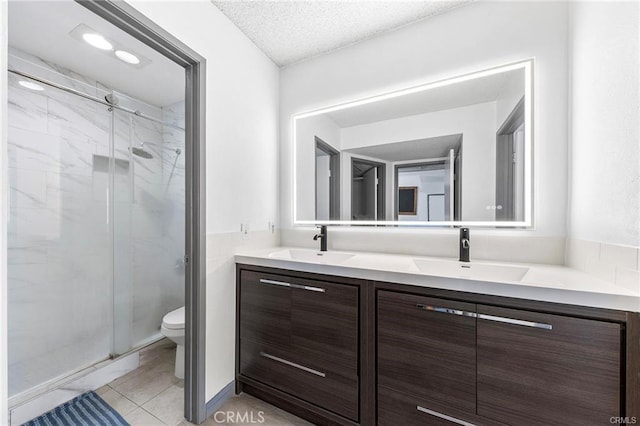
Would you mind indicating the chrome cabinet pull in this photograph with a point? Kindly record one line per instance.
(446, 310)
(485, 316)
(293, 364)
(443, 416)
(299, 286)
(308, 287)
(272, 282)
(516, 322)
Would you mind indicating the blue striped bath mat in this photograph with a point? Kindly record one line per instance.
(87, 409)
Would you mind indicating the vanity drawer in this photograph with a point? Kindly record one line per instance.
(302, 378)
(427, 348)
(396, 408)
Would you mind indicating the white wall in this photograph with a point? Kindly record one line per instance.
(494, 33)
(605, 122)
(428, 182)
(242, 120)
(4, 409)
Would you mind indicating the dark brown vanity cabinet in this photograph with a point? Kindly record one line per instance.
(426, 354)
(300, 337)
(547, 369)
(344, 351)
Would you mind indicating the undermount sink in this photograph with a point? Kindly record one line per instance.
(477, 271)
(312, 256)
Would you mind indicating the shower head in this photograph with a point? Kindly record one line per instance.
(141, 152)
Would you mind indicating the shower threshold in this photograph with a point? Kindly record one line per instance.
(46, 396)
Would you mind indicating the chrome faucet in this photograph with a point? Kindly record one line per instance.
(464, 244)
(322, 236)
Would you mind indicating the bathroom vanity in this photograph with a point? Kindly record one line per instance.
(356, 338)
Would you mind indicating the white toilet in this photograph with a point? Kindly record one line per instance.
(173, 328)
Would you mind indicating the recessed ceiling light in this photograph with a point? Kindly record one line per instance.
(127, 57)
(96, 40)
(30, 85)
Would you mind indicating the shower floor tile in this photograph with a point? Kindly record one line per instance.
(151, 395)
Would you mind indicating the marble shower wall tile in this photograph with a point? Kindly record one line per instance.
(27, 189)
(73, 117)
(27, 109)
(136, 105)
(33, 65)
(50, 153)
(174, 114)
(26, 253)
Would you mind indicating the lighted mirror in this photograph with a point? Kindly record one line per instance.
(451, 152)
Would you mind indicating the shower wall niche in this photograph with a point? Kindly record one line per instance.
(95, 233)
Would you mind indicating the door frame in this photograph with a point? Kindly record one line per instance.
(134, 23)
(504, 163)
(334, 178)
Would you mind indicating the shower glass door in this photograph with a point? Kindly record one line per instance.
(148, 217)
(95, 228)
(59, 233)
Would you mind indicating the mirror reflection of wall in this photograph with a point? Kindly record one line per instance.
(473, 129)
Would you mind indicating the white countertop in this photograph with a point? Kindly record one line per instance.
(547, 283)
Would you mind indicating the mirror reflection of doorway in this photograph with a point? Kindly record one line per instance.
(327, 181)
(435, 188)
(510, 167)
(367, 190)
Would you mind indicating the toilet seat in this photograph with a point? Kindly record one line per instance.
(174, 320)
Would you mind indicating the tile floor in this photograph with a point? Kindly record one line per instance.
(152, 396)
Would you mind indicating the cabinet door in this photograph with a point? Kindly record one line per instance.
(324, 324)
(427, 349)
(265, 310)
(546, 369)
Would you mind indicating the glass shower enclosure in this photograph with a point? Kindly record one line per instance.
(95, 223)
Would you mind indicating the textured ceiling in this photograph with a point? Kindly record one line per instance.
(291, 31)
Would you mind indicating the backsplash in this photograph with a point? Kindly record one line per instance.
(614, 263)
